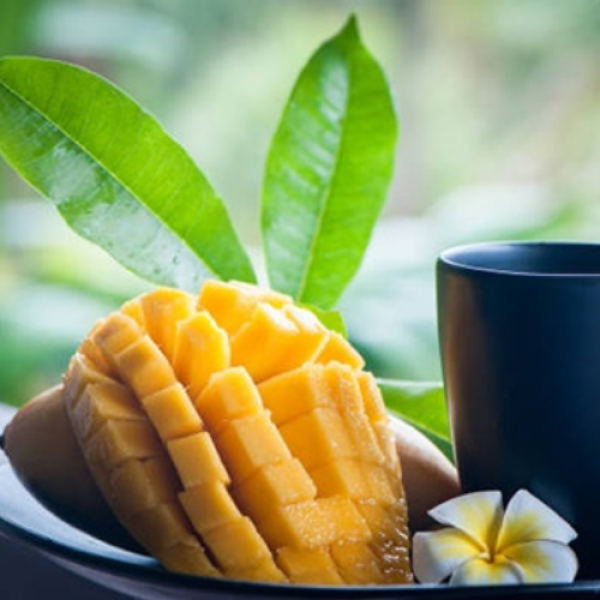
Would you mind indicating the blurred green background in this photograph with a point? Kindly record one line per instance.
(499, 104)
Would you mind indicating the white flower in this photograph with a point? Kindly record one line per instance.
(484, 544)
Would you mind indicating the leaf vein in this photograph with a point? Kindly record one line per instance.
(105, 169)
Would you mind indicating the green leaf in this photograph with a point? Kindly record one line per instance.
(114, 174)
(328, 171)
(423, 405)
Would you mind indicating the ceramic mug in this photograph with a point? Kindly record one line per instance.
(519, 327)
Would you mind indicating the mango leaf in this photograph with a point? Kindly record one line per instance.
(114, 174)
(423, 405)
(328, 171)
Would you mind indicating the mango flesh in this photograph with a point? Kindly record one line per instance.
(44, 452)
(429, 477)
(233, 435)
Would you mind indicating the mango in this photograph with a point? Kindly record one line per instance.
(231, 435)
(42, 449)
(428, 475)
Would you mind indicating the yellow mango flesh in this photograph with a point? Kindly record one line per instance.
(313, 565)
(197, 460)
(234, 435)
(201, 348)
(337, 349)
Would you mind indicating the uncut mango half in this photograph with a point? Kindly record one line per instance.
(233, 435)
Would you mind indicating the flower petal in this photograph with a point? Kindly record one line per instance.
(480, 571)
(478, 514)
(528, 518)
(544, 561)
(436, 554)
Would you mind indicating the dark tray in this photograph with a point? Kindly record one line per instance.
(22, 518)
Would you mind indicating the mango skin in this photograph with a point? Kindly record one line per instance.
(429, 477)
(44, 453)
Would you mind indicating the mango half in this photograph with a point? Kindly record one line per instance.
(233, 435)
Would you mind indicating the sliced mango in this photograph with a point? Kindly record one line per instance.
(313, 565)
(275, 341)
(163, 309)
(104, 401)
(197, 460)
(250, 443)
(329, 439)
(357, 564)
(187, 556)
(81, 372)
(118, 441)
(234, 435)
(172, 413)
(201, 348)
(209, 505)
(230, 395)
(143, 484)
(237, 547)
(232, 304)
(278, 484)
(341, 476)
(295, 393)
(338, 349)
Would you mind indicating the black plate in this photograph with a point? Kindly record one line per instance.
(138, 576)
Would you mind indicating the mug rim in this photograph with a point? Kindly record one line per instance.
(468, 257)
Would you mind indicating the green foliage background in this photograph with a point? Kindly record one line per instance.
(500, 139)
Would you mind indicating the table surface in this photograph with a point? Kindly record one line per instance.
(25, 574)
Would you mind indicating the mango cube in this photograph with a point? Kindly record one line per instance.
(265, 570)
(172, 412)
(341, 477)
(315, 523)
(93, 354)
(295, 393)
(329, 439)
(134, 310)
(139, 485)
(102, 402)
(208, 506)
(197, 460)
(309, 342)
(250, 443)
(372, 399)
(343, 515)
(231, 394)
(188, 557)
(263, 341)
(337, 349)
(232, 304)
(303, 565)
(163, 308)
(144, 367)
(345, 390)
(357, 563)
(115, 333)
(81, 372)
(237, 544)
(161, 527)
(302, 525)
(118, 441)
(277, 484)
(201, 348)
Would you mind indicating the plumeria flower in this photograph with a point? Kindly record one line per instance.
(484, 544)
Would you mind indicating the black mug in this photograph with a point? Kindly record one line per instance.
(519, 327)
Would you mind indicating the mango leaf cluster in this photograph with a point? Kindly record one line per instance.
(122, 182)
